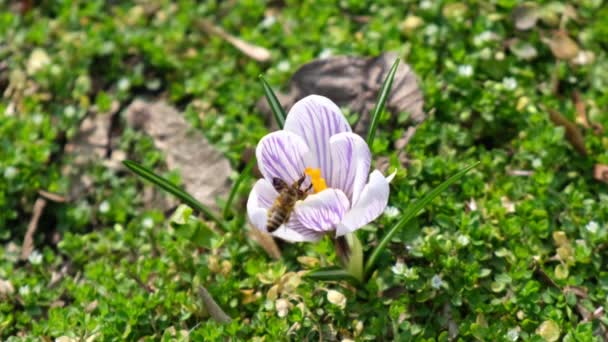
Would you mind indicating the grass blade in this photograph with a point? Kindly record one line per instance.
(332, 273)
(275, 105)
(410, 213)
(384, 93)
(235, 188)
(174, 190)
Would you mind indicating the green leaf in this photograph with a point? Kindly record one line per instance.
(384, 93)
(410, 213)
(174, 190)
(244, 174)
(355, 261)
(191, 227)
(275, 105)
(332, 273)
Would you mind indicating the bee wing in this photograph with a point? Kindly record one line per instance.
(279, 184)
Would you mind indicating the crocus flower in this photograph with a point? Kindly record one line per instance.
(317, 141)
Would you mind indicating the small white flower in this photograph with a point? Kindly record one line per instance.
(104, 207)
(37, 118)
(24, 291)
(37, 61)
(147, 223)
(69, 111)
(509, 83)
(484, 36)
(485, 53)
(35, 258)
(536, 163)
(391, 212)
(513, 334)
(124, 84)
(10, 172)
(592, 227)
(431, 30)
(436, 282)
(426, 4)
(399, 268)
(268, 21)
(282, 307)
(465, 70)
(463, 240)
(336, 298)
(326, 53)
(283, 66)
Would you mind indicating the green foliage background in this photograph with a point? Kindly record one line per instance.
(509, 269)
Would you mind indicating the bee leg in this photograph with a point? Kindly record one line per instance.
(308, 188)
(301, 180)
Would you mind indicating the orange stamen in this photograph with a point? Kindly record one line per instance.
(318, 183)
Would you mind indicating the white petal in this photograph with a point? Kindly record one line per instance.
(294, 231)
(322, 211)
(261, 197)
(350, 161)
(369, 206)
(280, 154)
(316, 118)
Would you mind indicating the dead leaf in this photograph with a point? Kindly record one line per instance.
(584, 57)
(91, 306)
(52, 196)
(562, 46)
(454, 10)
(600, 172)
(354, 82)
(257, 53)
(204, 170)
(28, 240)
(521, 173)
(581, 111)
(6, 288)
(525, 16)
(573, 134)
(522, 50)
(507, 204)
(405, 138)
(89, 146)
(410, 24)
(211, 306)
(266, 241)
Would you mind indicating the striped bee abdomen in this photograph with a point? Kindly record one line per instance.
(275, 219)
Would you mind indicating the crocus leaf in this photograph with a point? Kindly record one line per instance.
(410, 213)
(244, 174)
(332, 273)
(174, 190)
(384, 93)
(275, 105)
(214, 310)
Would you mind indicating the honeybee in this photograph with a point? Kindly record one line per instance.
(280, 211)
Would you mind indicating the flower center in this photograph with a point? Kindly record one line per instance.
(318, 183)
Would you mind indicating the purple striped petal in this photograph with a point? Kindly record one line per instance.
(369, 206)
(351, 158)
(294, 231)
(322, 211)
(316, 118)
(281, 154)
(261, 197)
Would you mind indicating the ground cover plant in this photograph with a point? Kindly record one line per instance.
(514, 250)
